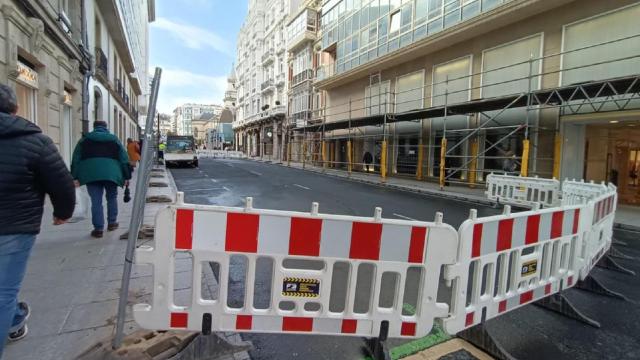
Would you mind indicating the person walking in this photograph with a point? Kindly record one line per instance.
(31, 167)
(101, 162)
(367, 159)
(133, 150)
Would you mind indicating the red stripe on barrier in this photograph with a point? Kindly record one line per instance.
(297, 324)
(179, 320)
(556, 224)
(502, 306)
(408, 329)
(304, 237)
(242, 232)
(505, 233)
(469, 320)
(365, 241)
(526, 297)
(244, 322)
(547, 289)
(610, 208)
(576, 220)
(416, 248)
(477, 240)
(570, 281)
(533, 230)
(349, 326)
(184, 229)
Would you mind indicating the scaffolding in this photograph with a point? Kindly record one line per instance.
(361, 134)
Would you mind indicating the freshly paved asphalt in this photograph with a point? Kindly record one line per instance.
(528, 333)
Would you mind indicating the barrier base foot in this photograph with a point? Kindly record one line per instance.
(591, 284)
(608, 263)
(480, 337)
(618, 242)
(560, 304)
(613, 252)
(378, 348)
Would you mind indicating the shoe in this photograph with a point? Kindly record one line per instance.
(97, 233)
(112, 227)
(26, 312)
(19, 334)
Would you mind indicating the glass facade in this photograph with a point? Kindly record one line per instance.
(363, 30)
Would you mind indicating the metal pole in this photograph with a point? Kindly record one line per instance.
(138, 209)
(443, 143)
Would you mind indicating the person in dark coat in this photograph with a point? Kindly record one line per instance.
(367, 159)
(31, 167)
(102, 163)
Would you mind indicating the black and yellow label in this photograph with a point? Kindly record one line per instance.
(529, 268)
(299, 287)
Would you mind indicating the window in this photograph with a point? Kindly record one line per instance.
(26, 90)
(377, 98)
(395, 22)
(26, 102)
(409, 92)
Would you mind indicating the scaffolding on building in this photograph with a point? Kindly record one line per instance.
(465, 154)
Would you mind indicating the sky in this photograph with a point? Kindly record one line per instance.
(193, 41)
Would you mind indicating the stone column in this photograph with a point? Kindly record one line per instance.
(275, 148)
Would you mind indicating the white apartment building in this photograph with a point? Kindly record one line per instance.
(184, 114)
(119, 36)
(262, 78)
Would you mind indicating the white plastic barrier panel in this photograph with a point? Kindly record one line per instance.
(580, 192)
(295, 272)
(523, 191)
(220, 154)
(510, 260)
(600, 235)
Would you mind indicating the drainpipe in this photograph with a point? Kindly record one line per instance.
(88, 71)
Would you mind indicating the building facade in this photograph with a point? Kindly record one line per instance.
(41, 59)
(184, 115)
(450, 91)
(262, 78)
(118, 34)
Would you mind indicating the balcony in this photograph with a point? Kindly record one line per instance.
(301, 77)
(300, 119)
(267, 86)
(325, 71)
(268, 57)
(102, 65)
(280, 80)
(302, 29)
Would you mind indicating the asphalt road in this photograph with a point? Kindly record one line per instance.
(528, 333)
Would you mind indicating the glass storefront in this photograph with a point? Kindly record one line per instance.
(612, 153)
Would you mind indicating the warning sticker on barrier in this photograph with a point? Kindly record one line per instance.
(529, 268)
(299, 287)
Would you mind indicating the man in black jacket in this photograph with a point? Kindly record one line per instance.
(30, 167)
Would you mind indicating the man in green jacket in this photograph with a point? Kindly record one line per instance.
(101, 162)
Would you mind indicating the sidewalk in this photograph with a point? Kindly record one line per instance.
(72, 285)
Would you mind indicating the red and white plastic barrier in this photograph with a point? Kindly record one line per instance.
(395, 248)
(490, 266)
(510, 260)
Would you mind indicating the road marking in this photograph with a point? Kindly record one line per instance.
(302, 187)
(255, 173)
(209, 189)
(214, 180)
(226, 188)
(404, 217)
(206, 175)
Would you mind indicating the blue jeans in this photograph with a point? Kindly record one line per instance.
(14, 253)
(96, 190)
